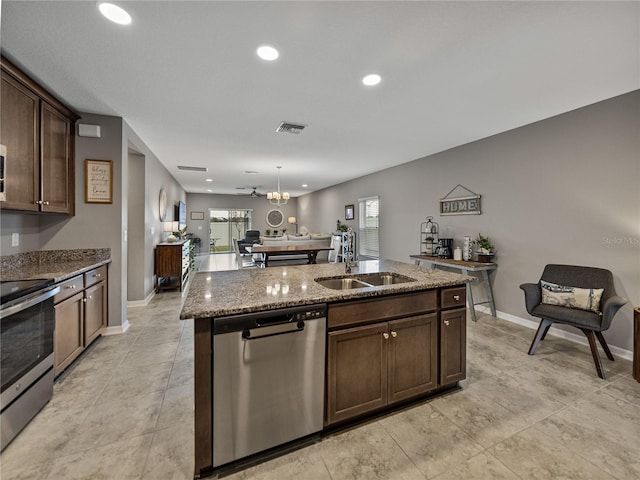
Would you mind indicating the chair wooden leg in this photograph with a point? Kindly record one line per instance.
(594, 352)
(605, 347)
(543, 328)
(544, 334)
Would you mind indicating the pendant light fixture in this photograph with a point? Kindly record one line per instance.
(278, 198)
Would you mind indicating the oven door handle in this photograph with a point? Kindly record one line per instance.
(28, 302)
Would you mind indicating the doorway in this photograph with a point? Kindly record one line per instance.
(224, 226)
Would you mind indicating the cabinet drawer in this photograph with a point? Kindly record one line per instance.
(68, 288)
(365, 311)
(95, 276)
(453, 297)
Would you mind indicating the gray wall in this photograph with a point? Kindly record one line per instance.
(563, 190)
(202, 202)
(149, 226)
(136, 228)
(96, 225)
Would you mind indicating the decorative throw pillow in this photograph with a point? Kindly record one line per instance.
(299, 237)
(572, 297)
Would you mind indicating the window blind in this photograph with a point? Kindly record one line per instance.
(368, 222)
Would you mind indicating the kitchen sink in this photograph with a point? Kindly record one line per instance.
(341, 283)
(376, 279)
(363, 281)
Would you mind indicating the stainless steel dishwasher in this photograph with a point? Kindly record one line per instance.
(268, 379)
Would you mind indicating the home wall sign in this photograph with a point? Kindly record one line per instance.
(464, 203)
(98, 177)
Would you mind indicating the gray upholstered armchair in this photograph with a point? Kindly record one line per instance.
(250, 237)
(591, 323)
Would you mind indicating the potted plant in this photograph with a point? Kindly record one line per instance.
(484, 248)
(267, 231)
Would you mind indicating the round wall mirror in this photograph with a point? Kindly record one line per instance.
(163, 204)
(275, 218)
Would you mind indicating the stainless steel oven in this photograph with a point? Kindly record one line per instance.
(26, 352)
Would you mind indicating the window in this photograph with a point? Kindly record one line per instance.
(368, 221)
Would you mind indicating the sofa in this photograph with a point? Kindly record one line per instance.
(315, 239)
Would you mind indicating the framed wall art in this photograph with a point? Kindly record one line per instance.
(98, 177)
(348, 212)
(197, 215)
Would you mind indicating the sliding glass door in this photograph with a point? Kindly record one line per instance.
(225, 225)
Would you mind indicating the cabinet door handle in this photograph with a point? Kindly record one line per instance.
(385, 335)
(97, 275)
(456, 297)
(446, 322)
(394, 334)
(38, 202)
(84, 300)
(46, 203)
(71, 287)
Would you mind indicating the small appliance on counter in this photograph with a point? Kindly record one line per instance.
(445, 248)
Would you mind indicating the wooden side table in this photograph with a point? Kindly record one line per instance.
(636, 344)
(465, 267)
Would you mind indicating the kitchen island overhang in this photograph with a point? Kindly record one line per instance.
(394, 312)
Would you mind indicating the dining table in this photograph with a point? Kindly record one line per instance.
(277, 250)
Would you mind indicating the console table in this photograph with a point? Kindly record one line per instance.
(465, 267)
(172, 264)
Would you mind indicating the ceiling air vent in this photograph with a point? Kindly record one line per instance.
(288, 127)
(192, 169)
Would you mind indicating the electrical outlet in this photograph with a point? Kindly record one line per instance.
(15, 239)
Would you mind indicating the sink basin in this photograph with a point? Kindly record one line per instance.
(363, 280)
(342, 283)
(376, 279)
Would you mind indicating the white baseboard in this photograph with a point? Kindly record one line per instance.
(555, 332)
(117, 329)
(142, 303)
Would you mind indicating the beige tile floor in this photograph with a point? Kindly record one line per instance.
(125, 411)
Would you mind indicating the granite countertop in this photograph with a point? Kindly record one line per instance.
(216, 294)
(53, 264)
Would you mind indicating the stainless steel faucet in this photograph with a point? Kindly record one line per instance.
(349, 253)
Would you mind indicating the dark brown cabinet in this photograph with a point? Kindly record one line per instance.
(453, 335)
(68, 335)
(386, 350)
(172, 265)
(413, 365)
(38, 133)
(81, 313)
(380, 363)
(357, 366)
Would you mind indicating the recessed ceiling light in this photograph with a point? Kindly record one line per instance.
(209, 180)
(115, 13)
(304, 185)
(267, 52)
(209, 191)
(251, 172)
(372, 79)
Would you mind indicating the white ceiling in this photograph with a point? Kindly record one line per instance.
(185, 77)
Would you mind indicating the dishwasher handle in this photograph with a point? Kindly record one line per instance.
(272, 330)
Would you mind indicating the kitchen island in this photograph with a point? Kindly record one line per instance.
(386, 344)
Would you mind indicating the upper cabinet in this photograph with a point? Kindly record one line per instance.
(38, 132)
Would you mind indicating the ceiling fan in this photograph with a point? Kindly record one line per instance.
(254, 193)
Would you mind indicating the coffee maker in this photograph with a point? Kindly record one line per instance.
(445, 248)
